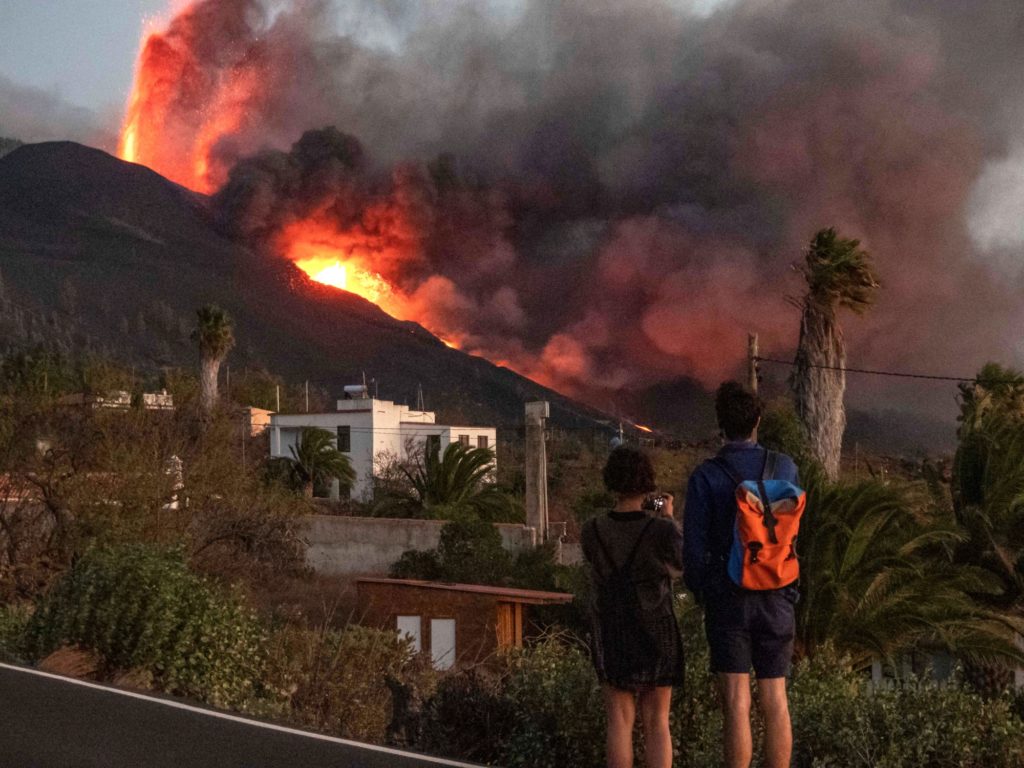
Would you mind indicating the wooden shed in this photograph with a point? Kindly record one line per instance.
(454, 623)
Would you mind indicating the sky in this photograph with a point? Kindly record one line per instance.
(82, 51)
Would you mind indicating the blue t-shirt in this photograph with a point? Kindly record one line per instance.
(709, 516)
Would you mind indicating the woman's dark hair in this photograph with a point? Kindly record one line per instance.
(738, 410)
(629, 472)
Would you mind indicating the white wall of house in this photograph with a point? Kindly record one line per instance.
(375, 429)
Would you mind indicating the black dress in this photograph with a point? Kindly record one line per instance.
(635, 639)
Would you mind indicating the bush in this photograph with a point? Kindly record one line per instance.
(141, 608)
(469, 716)
(469, 551)
(339, 679)
(559, 709)
(838, 721)
(13, 622)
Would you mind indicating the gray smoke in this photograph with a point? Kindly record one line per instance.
(650, 174)
(32, 115)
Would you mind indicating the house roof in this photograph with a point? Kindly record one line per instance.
(526, 596)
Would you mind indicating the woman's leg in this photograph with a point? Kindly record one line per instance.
(621, 708)
(654, 706)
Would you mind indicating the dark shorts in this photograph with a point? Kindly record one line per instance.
(751, 629)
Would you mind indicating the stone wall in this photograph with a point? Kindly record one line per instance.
(341, 546)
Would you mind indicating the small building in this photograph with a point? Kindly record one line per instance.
(120, 400)
(454, 623)
(258, 420)
(371, 431)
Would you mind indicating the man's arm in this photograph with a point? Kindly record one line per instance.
(696, 522)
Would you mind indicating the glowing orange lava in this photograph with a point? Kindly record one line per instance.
(333, 259)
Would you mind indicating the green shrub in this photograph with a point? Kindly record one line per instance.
(469, 717)
(839, 721)
(559, 709)
(141, 608)
(469, 551)
(14, 619)
(339, 679)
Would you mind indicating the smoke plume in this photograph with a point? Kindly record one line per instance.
(32, 115)
(607, 194)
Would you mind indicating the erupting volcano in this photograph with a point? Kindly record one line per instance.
(631, 181)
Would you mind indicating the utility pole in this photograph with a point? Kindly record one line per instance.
(278, 391)
(752, 357)
(307, 395)
(537, 469)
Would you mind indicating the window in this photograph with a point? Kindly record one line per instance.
(464, 440)
(345, 439)
(411, 627)
(433, 443)
(481, 442)
(442, 643)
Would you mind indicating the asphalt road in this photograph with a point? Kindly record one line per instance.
(52, 722)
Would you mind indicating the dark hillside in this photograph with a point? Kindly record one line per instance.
(118, 258)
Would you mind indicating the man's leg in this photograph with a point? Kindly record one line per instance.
(778, 733)
(735, 690)
(654, 706)
(621, 708)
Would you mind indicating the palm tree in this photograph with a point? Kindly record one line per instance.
(988, 497)
(880, 580)
(216, 337)
(458, 485)
(316, 460)
(838, 275)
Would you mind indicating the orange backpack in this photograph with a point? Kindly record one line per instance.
(763, 554)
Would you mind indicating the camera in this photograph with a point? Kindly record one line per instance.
(653, 503)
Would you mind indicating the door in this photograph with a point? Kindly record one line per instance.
(442, 643)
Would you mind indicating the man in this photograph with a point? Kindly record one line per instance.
(744, 628)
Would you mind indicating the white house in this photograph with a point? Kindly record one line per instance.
(369, 429)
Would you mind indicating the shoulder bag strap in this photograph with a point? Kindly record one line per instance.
(628, 564)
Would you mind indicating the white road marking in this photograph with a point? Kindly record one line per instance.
(238, 719)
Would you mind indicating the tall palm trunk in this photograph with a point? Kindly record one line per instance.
(209, 375)
(215, 336)
(819, 384)
(838, 275)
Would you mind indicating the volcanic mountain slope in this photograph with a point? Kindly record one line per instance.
(126, 256)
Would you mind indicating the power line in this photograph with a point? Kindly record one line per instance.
(894, 374)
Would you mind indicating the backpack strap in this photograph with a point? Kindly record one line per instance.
(726, 466)
(628, 562)
(771, 463)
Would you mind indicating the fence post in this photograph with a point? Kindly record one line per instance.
(537, 469)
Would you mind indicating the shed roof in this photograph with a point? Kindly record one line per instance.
(526, 596)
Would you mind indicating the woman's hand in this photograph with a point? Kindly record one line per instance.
(667, 509)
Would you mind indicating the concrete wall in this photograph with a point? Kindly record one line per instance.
(370, 545)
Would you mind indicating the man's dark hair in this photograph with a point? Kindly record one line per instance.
(738, 410)
(629, 472)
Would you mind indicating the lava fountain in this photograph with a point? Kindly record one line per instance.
(191, 95)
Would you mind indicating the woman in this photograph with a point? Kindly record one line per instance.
(636, 647)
